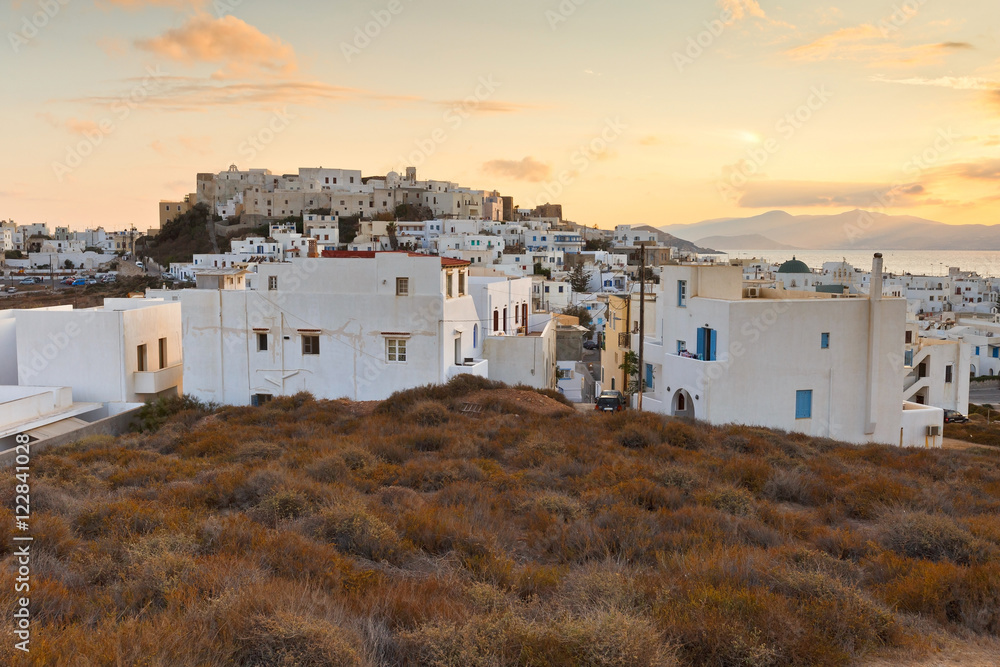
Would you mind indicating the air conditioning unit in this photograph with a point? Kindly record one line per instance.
(753, 292)
(933, 431)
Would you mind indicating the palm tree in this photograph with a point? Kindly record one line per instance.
(390, 229)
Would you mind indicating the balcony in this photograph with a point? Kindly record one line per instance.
(153, 382)
(477, 367)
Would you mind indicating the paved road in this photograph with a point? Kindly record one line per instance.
(984, 395)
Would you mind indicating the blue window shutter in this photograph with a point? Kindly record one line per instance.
(715, 339)
(825, 341)
(909, 357)
(701, 343)
(977, 350)
(803, 404)
(649, 376)
(996, 353)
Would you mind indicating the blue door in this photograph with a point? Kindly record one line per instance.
(707, 341)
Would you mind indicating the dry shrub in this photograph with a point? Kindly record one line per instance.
(637, 437)
(284, 639)
(328, 469)
(874, 494)
(428, 413)
(353, 530)
(281, 506)
(733, 500)
(678, 478)
(948, 593)
(537, 580)
(602, 639)
(684, 434)
(556, 504)
(647, 495)
(932, 537)
(425, 439)
(796, 485)
(746, 472)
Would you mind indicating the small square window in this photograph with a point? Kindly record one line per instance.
(272, 283)
(402, 286)
(395, 350)
(310, 345)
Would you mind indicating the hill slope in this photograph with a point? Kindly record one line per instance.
(855, 229)
(409, 532)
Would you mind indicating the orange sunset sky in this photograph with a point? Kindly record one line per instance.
(624, 111)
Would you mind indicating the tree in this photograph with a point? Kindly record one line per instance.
(597, 244)
(539, 271)
(581, 313)
(69, 264)
(579, 279)
(13, 254)
(413, 213)
(390, 229)
(630, 365)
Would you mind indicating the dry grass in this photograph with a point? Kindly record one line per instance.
(324, 533)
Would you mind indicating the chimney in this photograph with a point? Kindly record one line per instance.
(874, 345)
(876, 287)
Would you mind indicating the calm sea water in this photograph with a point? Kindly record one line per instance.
(922, 262)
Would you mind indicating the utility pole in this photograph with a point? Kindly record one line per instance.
(642, 321)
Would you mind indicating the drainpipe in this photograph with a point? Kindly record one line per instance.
(874, 342)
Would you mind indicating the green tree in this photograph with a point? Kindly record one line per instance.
(579, 279)
(597, 244)
(13, 254)
(69, 264)
(539, 271)
(390, 229)
(630, 364)
(581, 313)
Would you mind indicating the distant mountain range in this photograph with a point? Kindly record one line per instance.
(861, 230)
(669, 240)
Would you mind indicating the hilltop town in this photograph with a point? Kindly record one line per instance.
(346, 286)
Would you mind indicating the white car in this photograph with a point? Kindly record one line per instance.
(141, 265)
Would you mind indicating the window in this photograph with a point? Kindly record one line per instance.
(977, 350)
(395, 350)
(682, 287)
(804, 404)
(824, 341)
(140, 358)
(948, 374)
(461, 281)
(909, 337)
(448, 282)
(272, 283)
(682, 346)
(649, 377)
(310, 345)
(262, 342)
(402, 286)
(258, 400)
(163, 354)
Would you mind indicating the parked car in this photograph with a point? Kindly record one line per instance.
(28, 281)
(11, 290)
(611, 401)
(954, 417)
(92, 281)
(141, 265)
(67, 281)
(590, 345)
(79, 282)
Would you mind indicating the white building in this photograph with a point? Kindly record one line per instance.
(797, 361)
(936, 371)
(357, 325)
(125, 352)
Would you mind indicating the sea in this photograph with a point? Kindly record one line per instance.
(916, 262)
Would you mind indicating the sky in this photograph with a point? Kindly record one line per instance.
(622, 111)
